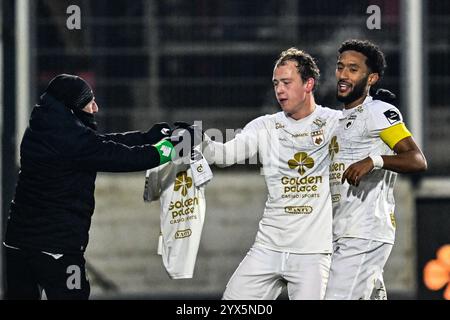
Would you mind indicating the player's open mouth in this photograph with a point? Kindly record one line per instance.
(344, 87)
(283, 101)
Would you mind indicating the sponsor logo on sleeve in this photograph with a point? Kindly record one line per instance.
(392, 116)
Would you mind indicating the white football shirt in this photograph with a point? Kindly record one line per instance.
(182, 215)
(295, 163)
(366, 211)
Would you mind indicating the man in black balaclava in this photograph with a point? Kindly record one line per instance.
(50, 215)
(75, 93)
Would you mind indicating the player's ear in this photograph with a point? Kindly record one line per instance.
(309, 85)
(373, 78)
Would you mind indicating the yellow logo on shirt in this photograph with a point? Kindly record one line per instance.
(319, 122)
(182, 182)
(308, 185)
(183, 210)
(335, 198)
(394, 224)
(298, 209)
(336, 171)
(302, 161)
(180, 234)
(333, 147)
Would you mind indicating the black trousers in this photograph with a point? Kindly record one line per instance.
(28, 272)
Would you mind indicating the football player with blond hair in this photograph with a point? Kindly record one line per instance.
(293, 244)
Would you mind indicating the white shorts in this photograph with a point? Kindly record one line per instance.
(357, 270)
(264, 273)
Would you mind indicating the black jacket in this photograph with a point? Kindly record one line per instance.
(59, 160)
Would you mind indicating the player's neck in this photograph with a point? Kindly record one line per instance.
(355, 103)
(308, 108)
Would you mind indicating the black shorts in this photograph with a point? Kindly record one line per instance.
(28, 272)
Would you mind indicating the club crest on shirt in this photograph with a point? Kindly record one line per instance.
(318, 137)
(317, 131)
(392, 116)
(349, 121)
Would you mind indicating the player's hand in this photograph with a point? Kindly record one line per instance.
(195, 132)
(181, 125)
(357, 171)
(178, 136)
(158, 132)
(184, 140)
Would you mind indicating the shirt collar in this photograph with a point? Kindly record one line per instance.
(367, 100)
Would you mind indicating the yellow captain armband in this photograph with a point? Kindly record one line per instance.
(394, 134)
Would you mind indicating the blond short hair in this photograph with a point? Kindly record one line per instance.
(306, 65)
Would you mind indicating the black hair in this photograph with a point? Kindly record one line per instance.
(375, 61)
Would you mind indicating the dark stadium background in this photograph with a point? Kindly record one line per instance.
(212, 60)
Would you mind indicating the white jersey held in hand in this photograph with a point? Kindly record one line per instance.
(366, 211)
(182, 215)
(294, 154)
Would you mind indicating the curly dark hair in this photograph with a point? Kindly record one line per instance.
(306, 66)
(375, 57)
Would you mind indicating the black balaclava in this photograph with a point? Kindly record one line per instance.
(75, 93)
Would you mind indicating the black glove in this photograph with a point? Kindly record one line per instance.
(185, 137)
(158, 132)
(384, 95)
(181, 124)
(195, 132)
